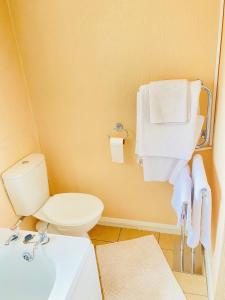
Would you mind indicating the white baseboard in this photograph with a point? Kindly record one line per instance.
(141, 225)
(208, 274)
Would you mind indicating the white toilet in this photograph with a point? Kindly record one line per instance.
(26, 183)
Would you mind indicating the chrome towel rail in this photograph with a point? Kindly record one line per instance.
(206, 132)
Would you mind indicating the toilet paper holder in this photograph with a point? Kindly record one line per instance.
(120, 128)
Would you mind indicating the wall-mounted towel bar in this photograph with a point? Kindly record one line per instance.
(206, 132)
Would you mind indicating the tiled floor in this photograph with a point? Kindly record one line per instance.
(194, 286)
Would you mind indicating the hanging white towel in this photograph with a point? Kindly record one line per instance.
(182, 193)
(166, 168)
(201, 207)
(169, 101)
(166, 140)
(159, 168)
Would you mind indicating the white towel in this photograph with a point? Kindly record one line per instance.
(166, 140)
(162, 168)
(167, 168)
(201, 207)
(182, 193)
(158, 168)
(169, 101)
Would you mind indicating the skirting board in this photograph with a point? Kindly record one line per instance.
(141, 225)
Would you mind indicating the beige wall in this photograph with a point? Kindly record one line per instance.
(17, 134)
(219, 183)
(84, 61)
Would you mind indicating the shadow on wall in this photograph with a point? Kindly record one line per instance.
(216, 203)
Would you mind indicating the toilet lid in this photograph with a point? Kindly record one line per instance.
(71, 209)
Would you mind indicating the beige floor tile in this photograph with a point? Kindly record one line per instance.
(188, 260)
(129, 234)
(168, 241)
(97, 242)
(104, 233)
(169, 257)
(195, 297)
(192, 284)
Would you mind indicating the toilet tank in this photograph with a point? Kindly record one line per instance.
(26, 183)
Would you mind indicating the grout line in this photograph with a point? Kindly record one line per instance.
(195, 294)
(103, 241)
(190, 274)
(119, 234)
(158, 238)
(166, 249)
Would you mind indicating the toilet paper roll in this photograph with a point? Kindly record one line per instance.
(116, 147)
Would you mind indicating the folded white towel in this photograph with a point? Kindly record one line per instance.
(169, 101)
(166, 140)
(201, 206)
(182, 193)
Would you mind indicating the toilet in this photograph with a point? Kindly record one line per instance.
(26, 183)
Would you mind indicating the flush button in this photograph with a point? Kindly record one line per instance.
(25, 162)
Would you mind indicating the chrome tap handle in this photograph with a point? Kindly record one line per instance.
(16, 233)
(43, 238)
(13, 237)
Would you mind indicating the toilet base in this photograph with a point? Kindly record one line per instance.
(54, 229)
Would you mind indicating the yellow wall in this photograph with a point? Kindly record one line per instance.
(17, 134)
(84, 61)
(219, 179)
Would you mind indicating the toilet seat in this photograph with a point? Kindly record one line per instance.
(70, 209)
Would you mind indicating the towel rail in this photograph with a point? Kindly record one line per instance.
(206, 132)
(183, 230)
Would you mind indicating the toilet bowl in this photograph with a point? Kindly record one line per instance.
(70, 213)
(26, 183)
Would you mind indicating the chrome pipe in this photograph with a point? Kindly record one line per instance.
(192, 260)
(206, 132)
(16, 225)
(182, 241)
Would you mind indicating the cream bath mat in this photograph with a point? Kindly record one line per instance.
(136, 270)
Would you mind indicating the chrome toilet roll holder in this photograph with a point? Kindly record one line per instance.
(120, 128)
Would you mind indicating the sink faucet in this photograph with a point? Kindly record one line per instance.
(15, 232)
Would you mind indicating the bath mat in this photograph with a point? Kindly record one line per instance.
(136, 270)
